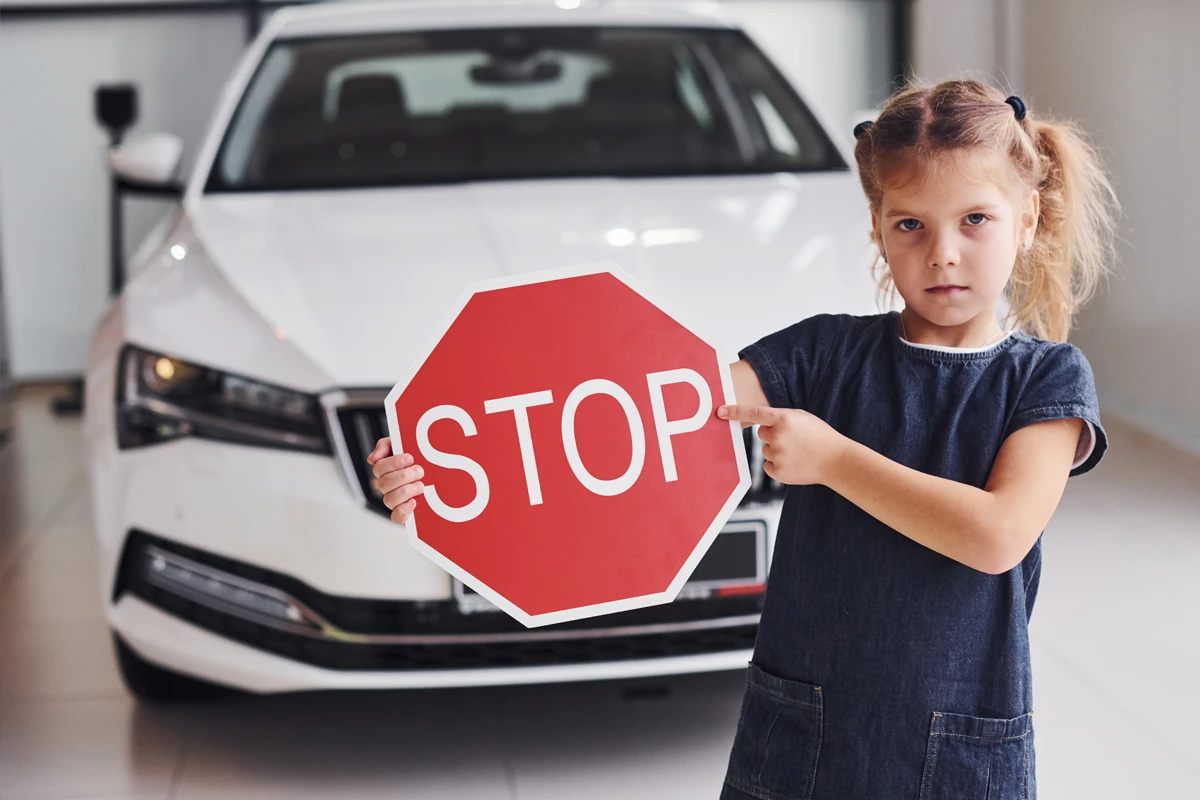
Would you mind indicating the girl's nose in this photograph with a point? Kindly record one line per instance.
(943, 251)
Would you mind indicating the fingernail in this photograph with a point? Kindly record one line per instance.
(723, 412)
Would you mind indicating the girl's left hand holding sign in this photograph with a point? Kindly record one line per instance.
(399, 479)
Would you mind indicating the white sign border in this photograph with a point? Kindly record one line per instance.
(714, 529)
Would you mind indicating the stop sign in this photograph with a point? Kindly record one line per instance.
(574, 463)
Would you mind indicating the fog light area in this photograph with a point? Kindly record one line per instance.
(219, 589)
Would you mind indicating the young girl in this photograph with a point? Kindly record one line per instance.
(925, 451)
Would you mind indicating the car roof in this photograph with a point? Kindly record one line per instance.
(326, 19)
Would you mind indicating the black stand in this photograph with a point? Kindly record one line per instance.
(72, 403)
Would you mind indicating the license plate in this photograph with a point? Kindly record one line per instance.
(737, 558)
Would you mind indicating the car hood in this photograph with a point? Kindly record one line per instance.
(357, 281)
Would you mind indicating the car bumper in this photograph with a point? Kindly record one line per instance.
(167, 595)
(163, 639)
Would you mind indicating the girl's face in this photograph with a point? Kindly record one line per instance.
(951, 238)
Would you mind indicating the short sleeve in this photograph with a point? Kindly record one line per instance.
(1062, 386)
(790, 363)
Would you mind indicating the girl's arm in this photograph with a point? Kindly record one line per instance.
(989, 529)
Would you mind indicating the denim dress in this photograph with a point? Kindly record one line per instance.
(883, 669)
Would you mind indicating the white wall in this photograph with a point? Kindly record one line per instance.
(985, 37)
(53, 184)
(1129, 72)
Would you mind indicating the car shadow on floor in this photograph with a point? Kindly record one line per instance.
(613, 736)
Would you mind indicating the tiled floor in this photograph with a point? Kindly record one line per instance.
(1116, 639)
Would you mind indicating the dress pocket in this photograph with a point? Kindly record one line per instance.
(778, 739)
(977, 758)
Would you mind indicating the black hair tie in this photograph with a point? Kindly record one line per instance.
(1018, 107)
(862, 128)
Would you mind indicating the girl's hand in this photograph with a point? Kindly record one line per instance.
(399, 479)
(798, 447)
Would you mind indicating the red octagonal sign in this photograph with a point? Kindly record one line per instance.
(574, 463)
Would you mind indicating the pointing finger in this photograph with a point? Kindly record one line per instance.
(758, 415)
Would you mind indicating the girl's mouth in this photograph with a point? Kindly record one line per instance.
(946, 289)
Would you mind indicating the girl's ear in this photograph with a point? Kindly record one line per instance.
(1030, 215)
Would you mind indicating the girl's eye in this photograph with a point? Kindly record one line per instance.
(976, 219)
(904, 224)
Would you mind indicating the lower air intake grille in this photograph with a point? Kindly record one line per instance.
(712, 625)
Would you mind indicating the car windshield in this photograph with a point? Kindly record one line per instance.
(497, 104)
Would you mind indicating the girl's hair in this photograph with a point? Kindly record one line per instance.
(1074, 242)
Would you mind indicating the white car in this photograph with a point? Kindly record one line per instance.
(364, 165)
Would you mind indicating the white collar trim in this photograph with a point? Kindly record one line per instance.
(941, 349)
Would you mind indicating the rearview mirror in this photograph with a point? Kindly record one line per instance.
(516, 72)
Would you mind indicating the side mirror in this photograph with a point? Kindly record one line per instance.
(148, 161)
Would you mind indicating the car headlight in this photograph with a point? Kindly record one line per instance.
(160, 398)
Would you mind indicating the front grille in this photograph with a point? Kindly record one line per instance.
(361, 427)
(441, 618)
(362, 424)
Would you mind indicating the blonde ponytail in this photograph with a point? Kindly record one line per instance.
(1075, 244)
